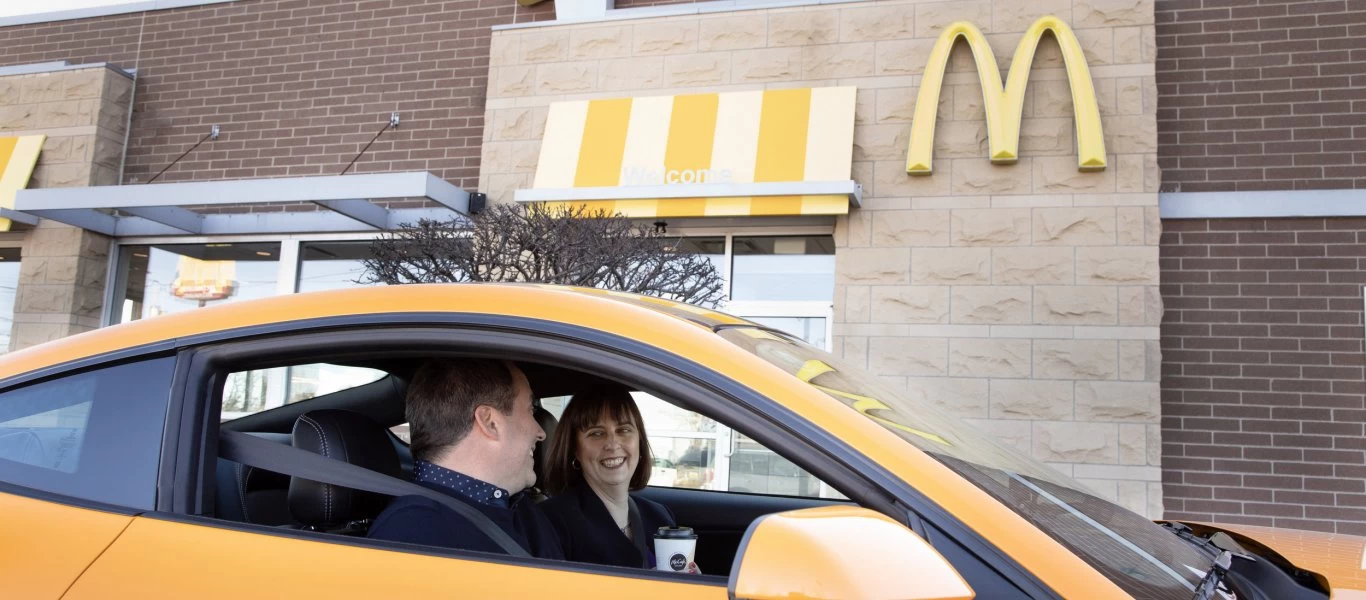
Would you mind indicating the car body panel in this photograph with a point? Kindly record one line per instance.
(625, 316)
(48, 544)
(1339, 558)
(158, 558)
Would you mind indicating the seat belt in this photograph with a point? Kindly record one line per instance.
(295, 462)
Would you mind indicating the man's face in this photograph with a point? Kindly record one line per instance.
(522, 434)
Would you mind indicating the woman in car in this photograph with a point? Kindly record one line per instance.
(598, 455)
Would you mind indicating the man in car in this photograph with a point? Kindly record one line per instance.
(473, 433)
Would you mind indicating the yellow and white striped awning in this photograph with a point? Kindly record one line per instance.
(18, 155)
(763, 152)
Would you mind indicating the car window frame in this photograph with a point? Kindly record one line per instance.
(653, 369)
(93, 364)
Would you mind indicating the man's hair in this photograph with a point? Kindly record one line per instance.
(443, 395)
(584, 411)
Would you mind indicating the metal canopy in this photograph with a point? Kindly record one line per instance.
(158, 209)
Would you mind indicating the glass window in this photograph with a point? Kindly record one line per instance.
(783, 268)
(250, 392)
(9, 285)
(94, 435)
(809, 329)
(694, 452)
(711, 248)
(162, 279)
(331, 265)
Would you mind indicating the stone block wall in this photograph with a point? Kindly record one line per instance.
(84, 113)
(1024, 297)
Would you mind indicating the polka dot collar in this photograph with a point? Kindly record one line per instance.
(463, 485)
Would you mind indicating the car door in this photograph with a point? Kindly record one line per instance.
(161, 557)
(185, 552)
(79, 456)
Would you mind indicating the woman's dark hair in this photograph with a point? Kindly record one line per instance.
(585, 410)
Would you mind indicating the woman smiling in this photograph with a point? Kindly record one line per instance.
(598, 455)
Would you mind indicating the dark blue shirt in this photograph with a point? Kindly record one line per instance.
(462, 485)
(421, 520)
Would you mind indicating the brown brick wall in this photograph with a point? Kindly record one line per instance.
(1262, 382)
(1267, 95)
(298, 86)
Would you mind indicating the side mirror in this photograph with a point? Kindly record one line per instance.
(840, 552)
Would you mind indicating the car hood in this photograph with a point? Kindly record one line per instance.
(1338, 559)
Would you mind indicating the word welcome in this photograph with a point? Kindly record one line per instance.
(645, 176)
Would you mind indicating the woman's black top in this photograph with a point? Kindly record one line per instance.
(588, 534)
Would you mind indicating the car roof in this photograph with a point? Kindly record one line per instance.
(527, 300)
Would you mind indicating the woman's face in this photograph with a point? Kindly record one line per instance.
(608, 452)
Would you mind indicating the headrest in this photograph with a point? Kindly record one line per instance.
(346, 436)
(547, 422)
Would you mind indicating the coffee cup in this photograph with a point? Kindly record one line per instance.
(674, 549)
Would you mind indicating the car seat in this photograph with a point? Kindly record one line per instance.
(353, 438)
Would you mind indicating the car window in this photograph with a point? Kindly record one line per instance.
(94, 435)
(250, 392)
(692, 451)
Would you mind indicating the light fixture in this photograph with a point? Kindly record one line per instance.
(262, 253)
(140, 254)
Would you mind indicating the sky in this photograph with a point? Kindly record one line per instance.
(10, 8)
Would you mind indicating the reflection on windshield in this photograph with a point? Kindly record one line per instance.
(1141, 557)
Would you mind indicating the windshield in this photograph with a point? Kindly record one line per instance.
(1141, 557)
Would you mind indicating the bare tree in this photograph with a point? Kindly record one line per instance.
(535, 243)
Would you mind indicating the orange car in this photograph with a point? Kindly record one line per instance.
(118, 478)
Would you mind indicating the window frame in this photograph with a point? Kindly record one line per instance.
(199, 406)
(287, 277)
(689, 385)
(95, 364)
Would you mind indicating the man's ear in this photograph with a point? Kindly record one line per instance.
(487, 421)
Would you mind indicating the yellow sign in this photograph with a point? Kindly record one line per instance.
(204, 279)
(18, 155)
(1004, 106)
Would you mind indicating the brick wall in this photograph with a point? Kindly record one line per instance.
(298, 86)
(1262, 383)
(1267, 95)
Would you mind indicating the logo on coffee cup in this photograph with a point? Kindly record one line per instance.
(678, 562)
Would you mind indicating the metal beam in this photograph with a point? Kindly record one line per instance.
(156, 210)
(92, 220)
(18, 217)
(278, 223)
(372, 186)
(360, 210)
(171, 216)
(1262, 205)
(442, 192)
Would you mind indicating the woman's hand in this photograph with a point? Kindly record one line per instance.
(692, 569)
